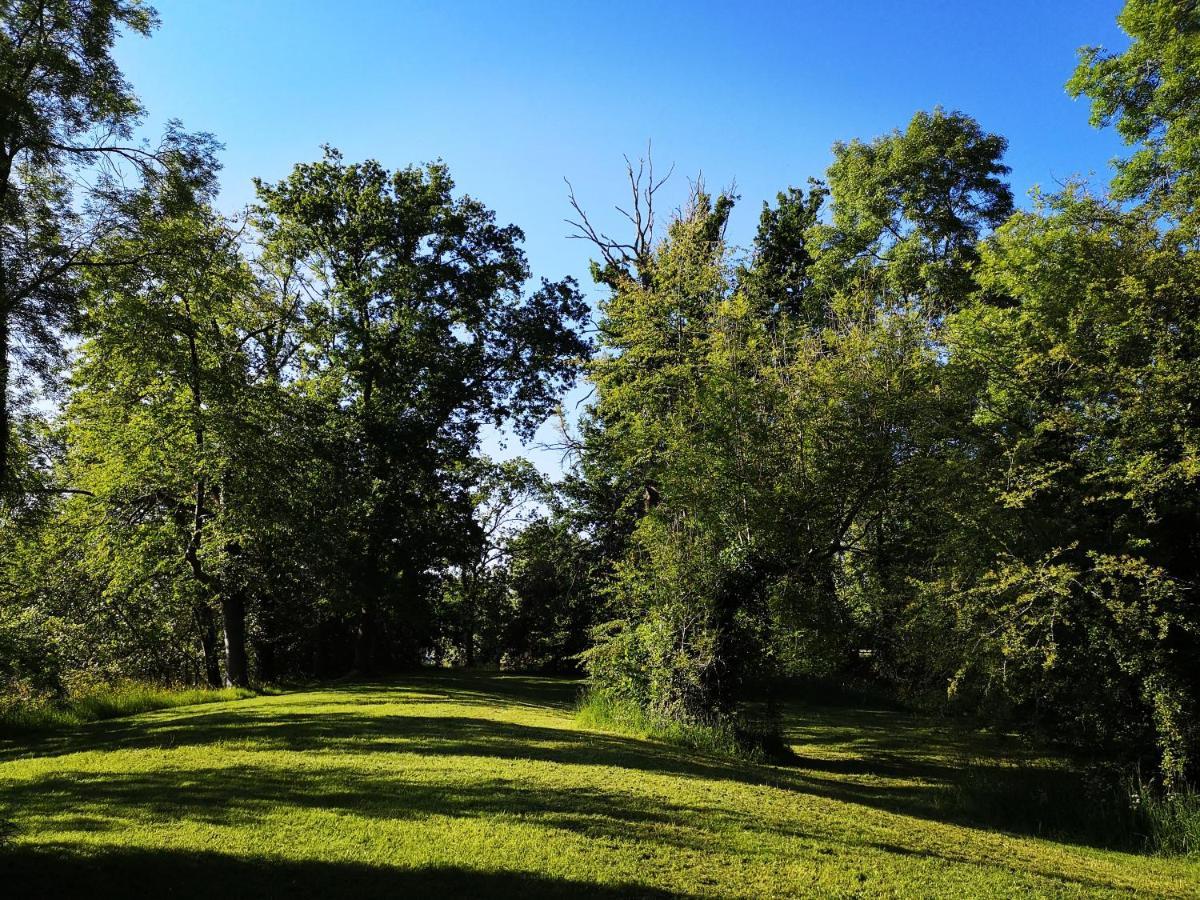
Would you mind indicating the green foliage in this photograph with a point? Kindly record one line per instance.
(416, 333)
(1149, 92)
(168, 431)
(920, 438)
(663, 331)
(476, 609)
(911, 207)
(65, 152)
(1085, 551)
(552, 579)
(785, 451)
(780, 280)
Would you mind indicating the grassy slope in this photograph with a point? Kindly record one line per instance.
(485, 785)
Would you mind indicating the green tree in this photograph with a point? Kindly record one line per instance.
(168, 429)
(1151, 93)
(552, 579)
(475, 609)
(1085, 557)
(66, 115)
(782, 442)
(780, 278)
(910, 206)
(420, 334)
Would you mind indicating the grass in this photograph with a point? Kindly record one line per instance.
(488, 785)
(108, 702)
(604, 713)
(1171, 823)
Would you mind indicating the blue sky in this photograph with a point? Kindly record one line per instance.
(517, 96)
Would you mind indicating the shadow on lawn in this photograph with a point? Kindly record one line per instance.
(895, 763)
(59, 871)
(961, 776)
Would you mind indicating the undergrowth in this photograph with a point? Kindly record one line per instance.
(599, 710)
(105, 702)
(1170, 823)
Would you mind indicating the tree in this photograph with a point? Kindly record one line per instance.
(551, 579)
(420, 334)
(1151, 93)
(782, 440)
(475, 610)
(678, 643)
(780, 277)
(911, 206)
(1084, 560)
(65, 108)
(168, 449)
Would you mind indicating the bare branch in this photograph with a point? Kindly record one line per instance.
(632, 258)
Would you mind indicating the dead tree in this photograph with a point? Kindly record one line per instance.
(631, 259)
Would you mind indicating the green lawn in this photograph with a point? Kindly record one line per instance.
(484, 785)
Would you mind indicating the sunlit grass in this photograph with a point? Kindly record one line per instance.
(450, 784)
(604, 713)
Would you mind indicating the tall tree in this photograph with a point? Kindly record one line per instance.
(64, 105)
(167, 427)
(910, 206)
(1083, 565)
(1151, 93)
(420, 335)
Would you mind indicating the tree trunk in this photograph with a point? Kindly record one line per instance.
(6, 161)
(208, 643)
(320, 662)
(364, 642)
(5, 422)
(264, 657)
(233, 621)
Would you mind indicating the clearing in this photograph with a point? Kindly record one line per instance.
(485, 785)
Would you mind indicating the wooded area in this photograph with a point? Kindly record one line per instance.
(917, 437)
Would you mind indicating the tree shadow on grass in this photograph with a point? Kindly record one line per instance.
(247, 797)
(204, 723)
(473, 687)
(959, 776)
(61, 872)
(880, 759)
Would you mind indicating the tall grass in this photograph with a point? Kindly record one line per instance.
(1170, 823)
(106, 702)
(602, 711)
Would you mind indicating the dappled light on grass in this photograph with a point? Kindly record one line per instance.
(487, 785)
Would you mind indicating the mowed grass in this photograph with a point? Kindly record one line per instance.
(450, 784)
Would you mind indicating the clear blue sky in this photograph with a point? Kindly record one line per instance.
(517, 96)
